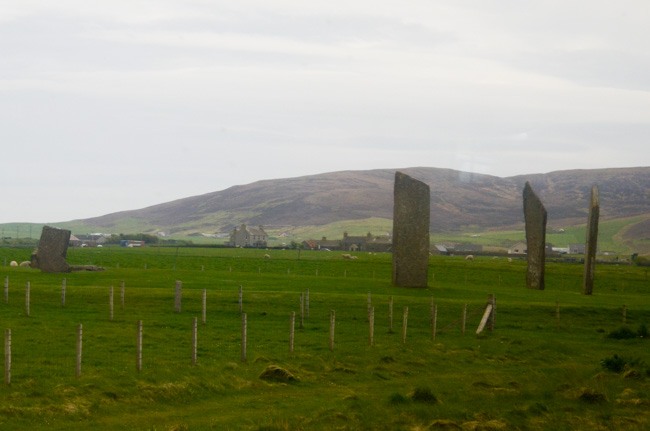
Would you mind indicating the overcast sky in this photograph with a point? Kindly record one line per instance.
(114, 105)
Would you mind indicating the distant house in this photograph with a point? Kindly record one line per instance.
(248, 237)
(519, 248)
(439, 250)
(580, 248)
(368, 242)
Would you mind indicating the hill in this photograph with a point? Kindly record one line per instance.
(459, 200)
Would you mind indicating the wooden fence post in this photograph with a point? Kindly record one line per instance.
(624, 314)
(464, 319)
(405, 324)
(63, 293)
(292, 325)
(204, 303)
(431, 315)
(110, 301)
(122, 294)
(390, 315)
(138, 348)
(27, 299)
(302, 311)
(7, 289)
(195, 340)
(79, 344)
(332, 325)
(241, 297)
(434, 321)
(243, 337)
(307, 303)
(178, 298)
(371, 323)
(7, 356)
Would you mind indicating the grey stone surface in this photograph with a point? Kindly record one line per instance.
(535, 216)
(411, 214)
(51, 251)
(591, 242)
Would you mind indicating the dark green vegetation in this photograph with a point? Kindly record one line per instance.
(531, 373)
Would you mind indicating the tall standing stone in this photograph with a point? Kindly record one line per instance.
(535, 216)
(591, 242)
(51, 251)
(411, 214)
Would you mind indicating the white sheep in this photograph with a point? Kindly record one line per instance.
(25, 263)
(346, 256)
(469, 257)
(266, 256)
(509, 259)
(13, 263)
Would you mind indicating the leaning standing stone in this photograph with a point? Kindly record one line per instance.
(411, 214)
(591, 242)
(51, 251)
(535, 216)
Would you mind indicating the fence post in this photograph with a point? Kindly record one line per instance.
(27, 299)
(243, 337)
(7, 289)
(63, 293)
(390, 315)
(307, 303)
(405, 324)
(122, 294)
(138, 348)
(371, 323)
(241, 293)
(302, 311)
(434, 321)
(79, 343)
(7, 356)
(464, 319)
(194, 340)
(332, 325)
(110, 301)
(204, 302)
(178, 298)
(431, 315)
(292, 325)
(624, 314)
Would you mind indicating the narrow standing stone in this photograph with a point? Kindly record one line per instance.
(535, 216)
(591, 242)
(411, 216)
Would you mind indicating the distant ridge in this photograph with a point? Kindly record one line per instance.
(459, 200)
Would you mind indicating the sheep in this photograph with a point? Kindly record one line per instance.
(13, 263)
(354, 257)
(469, 257)
(25, 263)
(266, 256)
(346, 256)
(509, 259)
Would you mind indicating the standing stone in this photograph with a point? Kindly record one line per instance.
(535, 216)
(591, 242)
(411, 214)
(51, 251)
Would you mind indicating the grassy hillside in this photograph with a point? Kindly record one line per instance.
(532, 372)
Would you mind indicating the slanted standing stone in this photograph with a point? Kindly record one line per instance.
(591, 242)
(51, 251)
(411, 216)
(535, 216)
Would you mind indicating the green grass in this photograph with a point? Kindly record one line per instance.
(526, 374)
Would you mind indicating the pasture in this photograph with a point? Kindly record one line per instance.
(534, 372)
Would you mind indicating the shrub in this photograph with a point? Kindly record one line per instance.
(615, 363)
(622, 333)
(423, 395)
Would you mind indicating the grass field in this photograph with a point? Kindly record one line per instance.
(530, 373)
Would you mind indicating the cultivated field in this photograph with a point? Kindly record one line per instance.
(533, 372)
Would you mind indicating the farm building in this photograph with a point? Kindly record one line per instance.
(248, 237)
